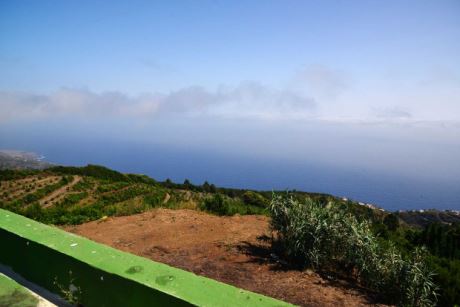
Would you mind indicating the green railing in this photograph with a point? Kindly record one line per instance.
(93, 274)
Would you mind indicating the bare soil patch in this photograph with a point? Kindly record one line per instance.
(235, 250)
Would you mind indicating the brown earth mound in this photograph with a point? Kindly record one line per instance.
(234, 250)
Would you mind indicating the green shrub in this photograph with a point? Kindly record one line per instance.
(391, 221)
(154, 199)
(251, 198)
(83, 185)
(10, 174)
(216, 204)
(330, 239)
(72, 199)
(112, 187)
(141, 179)
(223, 205)
(123, 194)
(34, 211)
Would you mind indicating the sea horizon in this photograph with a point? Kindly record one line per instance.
(388, 191)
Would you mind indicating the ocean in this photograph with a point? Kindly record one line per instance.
(389, 191)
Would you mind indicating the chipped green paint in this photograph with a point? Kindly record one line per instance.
(13, 294)
(104, 276)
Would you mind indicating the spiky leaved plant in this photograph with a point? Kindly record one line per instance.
(330, 239)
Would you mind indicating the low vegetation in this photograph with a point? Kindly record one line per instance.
(224, 205)
(103, 192)
(394, 254)
(331, 239)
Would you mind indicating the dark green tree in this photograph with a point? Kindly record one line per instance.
(168, 183)
(187, 184)
(206, 186)
(391, 221)
(212, 188)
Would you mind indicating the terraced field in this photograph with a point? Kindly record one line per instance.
(75, 195)
(78, 195)
(15, 189)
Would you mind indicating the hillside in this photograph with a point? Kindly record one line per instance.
(423, 218)
(78, 195)
(71, 195)
(27, 179)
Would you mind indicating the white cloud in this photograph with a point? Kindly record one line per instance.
(245, 100)
(318, 92)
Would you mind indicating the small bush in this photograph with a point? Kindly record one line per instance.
(223, 205)
(216, 204)
(72, 199)
(154, 199)
(328, 238)
(255, 199)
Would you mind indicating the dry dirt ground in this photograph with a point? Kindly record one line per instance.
(234, 250)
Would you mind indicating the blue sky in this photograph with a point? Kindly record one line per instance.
(135, 46)
(356, 84)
